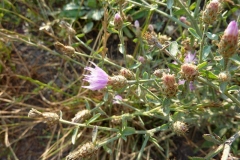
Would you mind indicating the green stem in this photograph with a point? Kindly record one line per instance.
(109, 140)
(143, 146)
(123, 45)
(160, 12)
(151, 93)
(218, 90)
(202, 44)
(193, 19)
(88, 126)
(196, 11)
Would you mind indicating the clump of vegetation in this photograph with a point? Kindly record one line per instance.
(119, 79)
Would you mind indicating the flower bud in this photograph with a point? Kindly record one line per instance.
(118, 21)
(116, 120)
(159, 72)
(136, 24)
(48, 117)
(184, 20)
(69, 50)
(68, 28)
(117, 82)
(229, 41)
(168, 80)
(211, 12)
(179, 128)
(81, 116)
(170, 87)
(141, 59)
(83, 151)
(127, 74)
(224, 77)
(189, 72)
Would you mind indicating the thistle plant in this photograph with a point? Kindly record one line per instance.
(150, 83)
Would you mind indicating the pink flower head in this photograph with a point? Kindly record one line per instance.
(190, 58)
(232, 29)
(98, 78)
(183, 19)
(116, 99)
(118, 20)
(141, 59)
(136, 24)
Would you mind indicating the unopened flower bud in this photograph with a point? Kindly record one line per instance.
(179, 128)
(117, 99)
(224, 77)
(141, 59)
(229, 41)
(81, 116)
(150, 28)
(168, 80)
(159, 72)
(116, 120)
(68, 28)
(48, 117)
(211, 12)
(117, 82)
(189, 72)
(170, 87)
(33, 113)
(69, 50)
(130, 58)
(127, 74)
(136, 24)
(83, 151)
(184, 20)
(118, 21)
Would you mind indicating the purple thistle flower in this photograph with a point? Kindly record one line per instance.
(98, 78)
(190, 58)
(116, 99)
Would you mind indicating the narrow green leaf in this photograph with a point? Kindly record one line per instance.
(74, 136)
(209, 74)
(154, 140)
(97, 14)
(202, 65)
(95, 117)
(215, 152)
(212, 36)
(121, 48)
(234, 88)
(128, 131)
(145, 75)
(107, 149)
(196, 158)
(174, 67)
(173, 48)
(88, 27)
(170, 4)
(211, 138)
(194, 33)
(206, 51)
(143, 146)
(223, 86)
